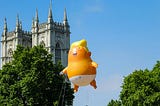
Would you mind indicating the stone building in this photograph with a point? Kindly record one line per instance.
(53, 35)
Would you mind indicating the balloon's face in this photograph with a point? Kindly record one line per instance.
(78, 53)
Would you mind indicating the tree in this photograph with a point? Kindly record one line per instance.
(142, 88)
(114, 103)
(32, 79)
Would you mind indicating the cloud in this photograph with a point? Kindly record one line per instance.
(96, 6)
(94, 9)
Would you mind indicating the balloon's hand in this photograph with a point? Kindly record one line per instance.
(94, 64)
(61, 73)
(64, 71)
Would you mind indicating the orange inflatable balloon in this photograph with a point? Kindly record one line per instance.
(81, 70)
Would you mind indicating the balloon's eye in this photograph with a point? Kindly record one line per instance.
(74, 52)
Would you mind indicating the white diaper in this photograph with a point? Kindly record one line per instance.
(82, 80)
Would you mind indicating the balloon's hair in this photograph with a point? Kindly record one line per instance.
(82, 43)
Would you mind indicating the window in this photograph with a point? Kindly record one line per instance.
(57, 53)
(10, 53)
(42, 43)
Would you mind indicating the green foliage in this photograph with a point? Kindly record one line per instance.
(114, 103)
(141, 88)
(32, 79)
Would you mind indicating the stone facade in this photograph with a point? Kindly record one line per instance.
(53, 35)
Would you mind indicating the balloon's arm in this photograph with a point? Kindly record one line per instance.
(94, 64)
(64, 71)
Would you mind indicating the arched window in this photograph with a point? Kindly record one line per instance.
(42, 43)
(57, 53)
(10, 53)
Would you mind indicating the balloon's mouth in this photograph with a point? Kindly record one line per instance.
(74, 53)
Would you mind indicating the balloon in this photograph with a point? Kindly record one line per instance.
(81, 70)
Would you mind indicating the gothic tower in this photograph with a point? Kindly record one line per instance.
(54, 36)
(10, 40)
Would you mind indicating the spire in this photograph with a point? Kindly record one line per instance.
(50, 10)
(65, 15)
(50, 13)
(36, 17)
(65, 21)
(5, 28)
(5, 24)
(36, 21)
(20, 25)
(32, 22)
(17, 21)
(50, 19)
(32, 28)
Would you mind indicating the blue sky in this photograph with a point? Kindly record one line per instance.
(123, 36)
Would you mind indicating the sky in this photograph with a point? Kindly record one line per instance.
(123, 36)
